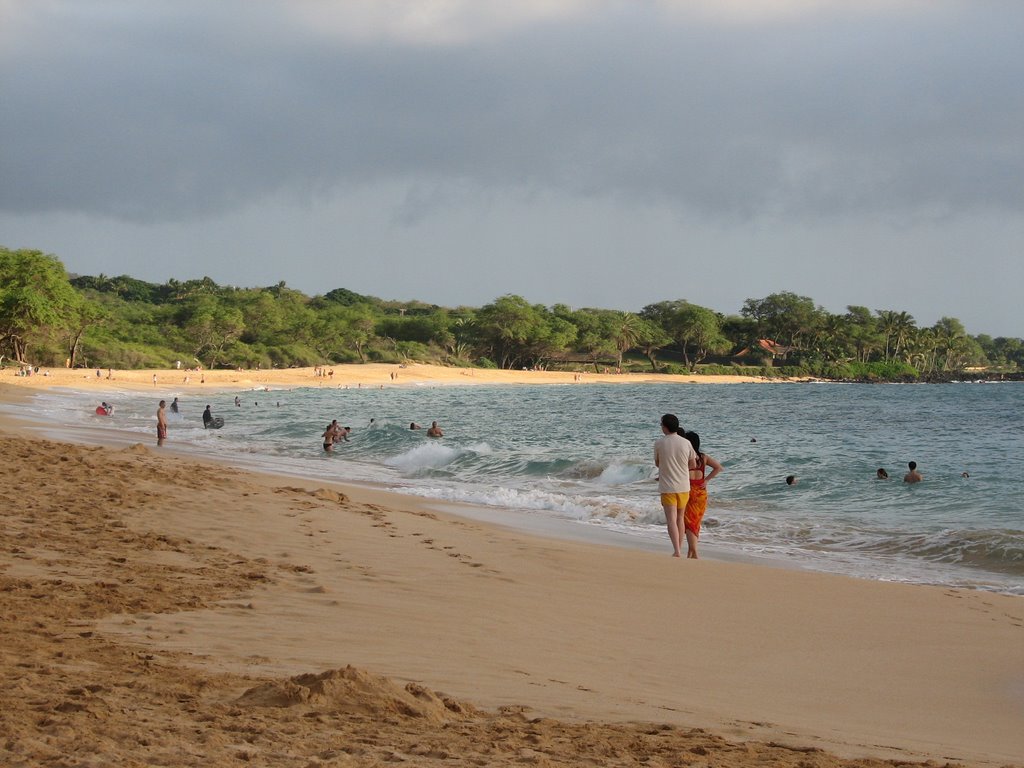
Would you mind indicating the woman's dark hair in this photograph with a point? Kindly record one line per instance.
(671, 422)
(694, 439)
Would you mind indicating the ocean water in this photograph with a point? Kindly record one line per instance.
(583, 453)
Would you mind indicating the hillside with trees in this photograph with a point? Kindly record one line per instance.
(49, 318)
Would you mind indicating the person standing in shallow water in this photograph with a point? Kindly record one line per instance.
(697, 503)
(913, 476)
(330, 435)
(161, 423)
(674, 457)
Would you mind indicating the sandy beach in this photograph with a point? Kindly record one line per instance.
(369, 375)
(158, 610)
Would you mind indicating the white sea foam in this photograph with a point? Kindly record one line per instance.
(620, 473)
(432, 455)
(576, 508)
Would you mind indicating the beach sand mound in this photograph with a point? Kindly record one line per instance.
(324, 494)
(354, 691)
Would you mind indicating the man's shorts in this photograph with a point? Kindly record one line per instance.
(677, 500)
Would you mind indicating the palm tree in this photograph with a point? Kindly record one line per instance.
(896, 328)
(627, 329)
(903, 327)
(951, 341)
(920, 350)
(887, 325)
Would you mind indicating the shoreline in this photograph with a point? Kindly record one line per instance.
(524, 521)
(312, 576)
(527, 519)
(347, 375)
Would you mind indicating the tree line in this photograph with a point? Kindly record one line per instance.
(48, 318)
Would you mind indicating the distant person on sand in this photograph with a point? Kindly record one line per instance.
(881, 474)
(434, 431)
(207, 418)
(790, 479)
(697, 503)
(913, 476)
(674, 457)
(161, 424)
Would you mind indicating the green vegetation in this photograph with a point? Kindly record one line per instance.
(120, 322)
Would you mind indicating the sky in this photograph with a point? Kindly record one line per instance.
(595, 153)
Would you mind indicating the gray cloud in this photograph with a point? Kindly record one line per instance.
(160, 114)
(594, 152)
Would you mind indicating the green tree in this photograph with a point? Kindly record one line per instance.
(85, 315)
(785, 318)
(211, 328)
(595, 329)
(513, 331)
(896, 328)
(862, 332)
(698, 332)
(626, 329)
(955, 348)
(651, 339)
(36, 299)
(922, 349)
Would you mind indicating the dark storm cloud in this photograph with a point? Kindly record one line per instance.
(157, 112)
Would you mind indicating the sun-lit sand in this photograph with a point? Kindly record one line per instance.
(162, 611)
(369, 375)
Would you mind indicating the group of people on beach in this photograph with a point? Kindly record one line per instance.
(682, 482)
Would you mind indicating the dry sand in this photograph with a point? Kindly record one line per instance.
(161, 611)
(371, 374)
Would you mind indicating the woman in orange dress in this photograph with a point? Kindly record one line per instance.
(698, 501)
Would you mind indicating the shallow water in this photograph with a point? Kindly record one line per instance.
(584, 453)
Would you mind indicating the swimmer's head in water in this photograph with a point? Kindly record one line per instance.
(790, 479)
